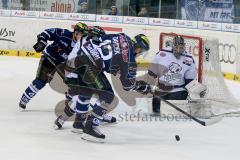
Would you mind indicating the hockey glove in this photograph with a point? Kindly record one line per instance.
(196, 90)
(142, 87)
(156, 91)
(40, 45)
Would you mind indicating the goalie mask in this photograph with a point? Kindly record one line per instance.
(178, 46)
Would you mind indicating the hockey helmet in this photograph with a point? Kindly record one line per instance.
(97, 31)
(81, 27)
(141, 41)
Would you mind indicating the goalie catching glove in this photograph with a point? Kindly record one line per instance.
(40, 45)
(196, 90)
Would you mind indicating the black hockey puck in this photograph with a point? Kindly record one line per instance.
(177, 137)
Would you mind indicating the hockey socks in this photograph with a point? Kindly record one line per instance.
(82, 105)
(30, 92)
(68, 112)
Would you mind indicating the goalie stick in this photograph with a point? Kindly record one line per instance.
(208, 122)
(229, 112)
(236, 112)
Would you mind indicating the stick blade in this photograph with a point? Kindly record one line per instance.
(213, 120)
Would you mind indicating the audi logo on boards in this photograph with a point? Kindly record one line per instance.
(135, 20)
(84, 17)
(115, 19)
(227, 53)
(140, 20)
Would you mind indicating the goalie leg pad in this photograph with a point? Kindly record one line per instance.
(181, 95)
(156, 102)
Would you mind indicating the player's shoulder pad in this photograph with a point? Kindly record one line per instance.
(57, 30)
(128, 38)
(188, 58)
(67, 33)
(166, 50)
(123, 34)
(163, 53)
(107, 37)
(51, 30)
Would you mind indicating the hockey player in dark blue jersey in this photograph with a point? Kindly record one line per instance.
(74, 79)
(116, 54)
(53, 55)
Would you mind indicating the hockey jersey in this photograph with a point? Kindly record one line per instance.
(76, 51)
(117, 53)
(113, 54)
(172, 71)
(61, 46)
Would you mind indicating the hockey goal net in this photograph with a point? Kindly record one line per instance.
(205, 51)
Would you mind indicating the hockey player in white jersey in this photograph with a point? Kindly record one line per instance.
(174, 69)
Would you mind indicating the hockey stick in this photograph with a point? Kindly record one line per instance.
(56, 67)
(204, 123)
(237, 112)
(230, 111)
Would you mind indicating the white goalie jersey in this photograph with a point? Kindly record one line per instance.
(172, 71)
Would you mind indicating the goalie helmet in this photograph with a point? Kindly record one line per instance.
(178, 46)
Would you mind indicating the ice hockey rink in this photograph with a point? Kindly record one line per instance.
(30, 135)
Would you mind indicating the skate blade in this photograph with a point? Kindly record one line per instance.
(78, 131)
(109, 124)
(155, 115)
(21, 109)
(56, 127)
(90, 138)
(213, 120)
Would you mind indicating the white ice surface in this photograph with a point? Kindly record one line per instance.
(29, 135)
